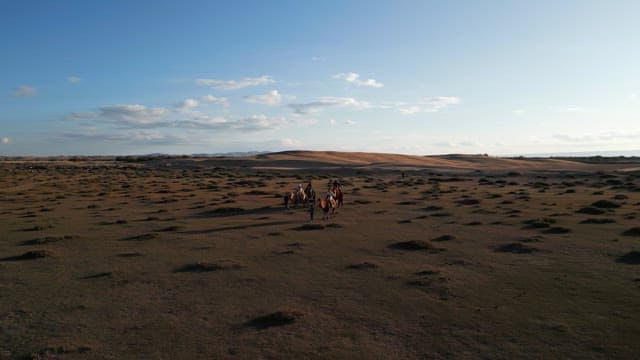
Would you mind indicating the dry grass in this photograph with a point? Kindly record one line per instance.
(213, 266)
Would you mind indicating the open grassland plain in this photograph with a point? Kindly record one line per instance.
(430, 257)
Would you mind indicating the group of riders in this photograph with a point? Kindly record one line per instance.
(307, 196)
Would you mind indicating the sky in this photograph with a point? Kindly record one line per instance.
(417, 77)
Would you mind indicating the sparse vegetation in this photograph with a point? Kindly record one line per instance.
(414, 245)
(516, 248)
(279, 318)
(206, 248)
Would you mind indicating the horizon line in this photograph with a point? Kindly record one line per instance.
(576, 154)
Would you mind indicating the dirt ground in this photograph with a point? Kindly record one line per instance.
(463, 257)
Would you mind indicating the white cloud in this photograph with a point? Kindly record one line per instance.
(354, 78)
(272, 98)
(332, 122)
(441, 102)
(290, 142)
(143, 137)
(323, 102)
(349, 122)
(633, 97)
(318, 58)
(133, 114)
(235, 84)
(182, 117)
(187, 104)
(518, 111)
(198, 121)
(458, 144)
(81, 115)
(246, 124)
(24, 91)
(210, 99)
(615, 137)
(258, 122)
(5, 140)
(154, 137)
(304, 121)
(428, 104)
(266, 144)
(74, 79)
(410, 110)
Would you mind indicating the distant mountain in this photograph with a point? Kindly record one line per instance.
(611, 153)
(231, 154)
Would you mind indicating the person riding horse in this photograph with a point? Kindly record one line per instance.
(331, 197)
(337, 193)
(300, 194)
(311, 194)
(327, 204)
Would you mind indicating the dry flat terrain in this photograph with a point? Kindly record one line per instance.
(463, 257)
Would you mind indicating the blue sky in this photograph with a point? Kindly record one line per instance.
(418, 77)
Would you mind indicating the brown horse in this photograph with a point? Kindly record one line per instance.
(295, 198)
(339, 196)
(326, 206)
